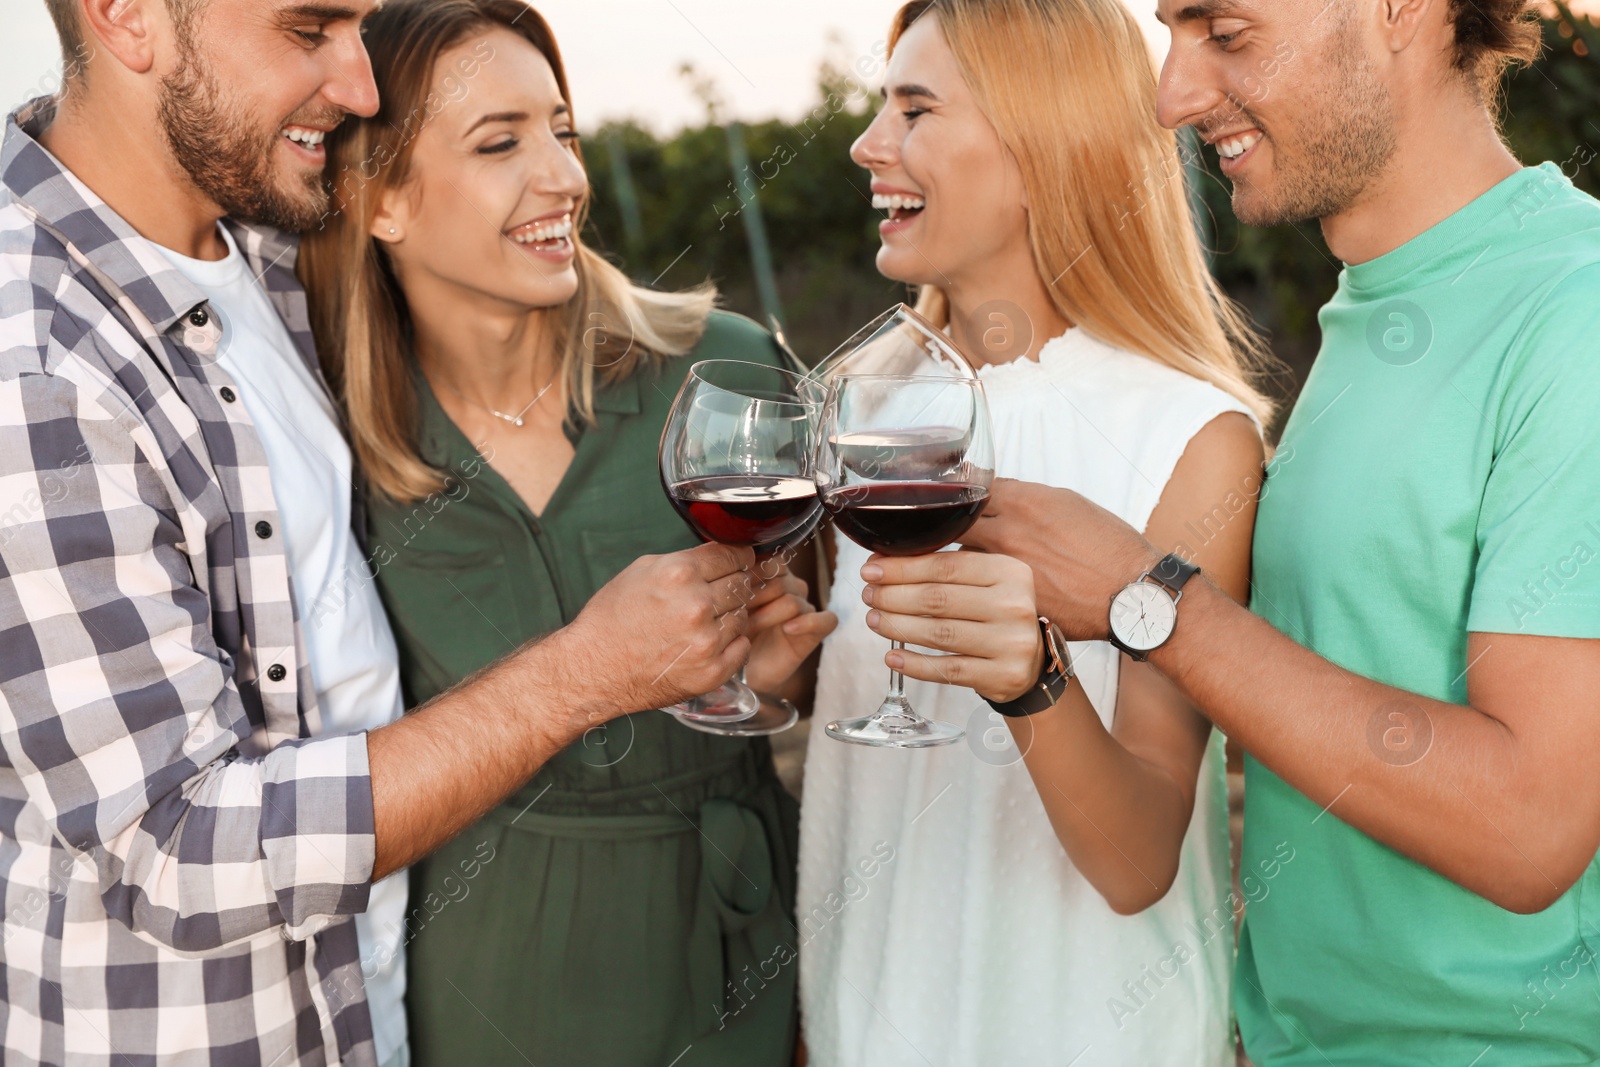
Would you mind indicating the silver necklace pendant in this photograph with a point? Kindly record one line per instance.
(515, 420)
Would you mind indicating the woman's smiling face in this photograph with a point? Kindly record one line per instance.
(495, 182)
(953, 192)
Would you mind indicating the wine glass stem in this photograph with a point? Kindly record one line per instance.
(897, 681)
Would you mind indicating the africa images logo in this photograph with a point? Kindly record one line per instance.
(1399, 333)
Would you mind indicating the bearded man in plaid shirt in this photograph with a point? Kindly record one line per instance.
(182, 843)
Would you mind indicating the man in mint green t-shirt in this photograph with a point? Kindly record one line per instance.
(1438, 530)
(1419, 683)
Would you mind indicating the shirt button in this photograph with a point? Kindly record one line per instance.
(263, 529)
(276, 673)
(228, 394)
(199, 317)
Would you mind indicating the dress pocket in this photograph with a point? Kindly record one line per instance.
(453, 612)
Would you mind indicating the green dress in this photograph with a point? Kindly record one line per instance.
(633, 903)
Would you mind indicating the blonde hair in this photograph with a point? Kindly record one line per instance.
(1069, 87)
(363, 331)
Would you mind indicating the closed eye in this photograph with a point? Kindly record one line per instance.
(497, 148)
(1225, 31)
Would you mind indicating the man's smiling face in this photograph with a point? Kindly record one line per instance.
(254, 87)
(1287, 93)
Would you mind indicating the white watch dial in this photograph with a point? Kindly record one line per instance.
(1143, 615)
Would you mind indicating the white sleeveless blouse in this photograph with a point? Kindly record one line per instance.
(941, 922)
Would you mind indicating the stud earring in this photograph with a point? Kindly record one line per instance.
(391, 229)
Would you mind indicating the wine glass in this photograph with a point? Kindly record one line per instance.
(737, 459)
(904, 467)
(899, 341)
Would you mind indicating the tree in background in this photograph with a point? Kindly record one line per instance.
(814, 200)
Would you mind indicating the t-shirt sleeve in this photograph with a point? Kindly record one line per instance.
(1538, 532)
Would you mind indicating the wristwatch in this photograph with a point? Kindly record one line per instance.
(1054, 677)
(1145, 612)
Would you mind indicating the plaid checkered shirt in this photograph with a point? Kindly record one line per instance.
(179, 853)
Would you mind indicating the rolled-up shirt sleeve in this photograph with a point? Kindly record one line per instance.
(121, 714)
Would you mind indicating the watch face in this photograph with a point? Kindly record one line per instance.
(1057, 651)
(1143, 615)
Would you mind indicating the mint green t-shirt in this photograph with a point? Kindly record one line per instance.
(1440, 475)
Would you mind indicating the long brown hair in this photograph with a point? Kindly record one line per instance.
(605, 333)
(1069, 87)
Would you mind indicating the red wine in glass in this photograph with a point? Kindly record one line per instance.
(906, 518)
(762, 511)
(785, 550)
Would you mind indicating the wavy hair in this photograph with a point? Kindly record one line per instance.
(1493, 37)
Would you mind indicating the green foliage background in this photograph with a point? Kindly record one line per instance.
(823, 231)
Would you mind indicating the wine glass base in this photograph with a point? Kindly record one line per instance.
(729, 702)
(895, 725)
(773, 717)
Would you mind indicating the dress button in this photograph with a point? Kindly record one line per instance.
(228, 394)
(199, 317)
(276, 673)
(263, 529)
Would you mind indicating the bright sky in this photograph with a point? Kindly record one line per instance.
(623, 55)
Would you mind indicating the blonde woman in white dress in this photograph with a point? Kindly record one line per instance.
(1054, 891)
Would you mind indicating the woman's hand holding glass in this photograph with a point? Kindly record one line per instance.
(976, 607)
(785, 629)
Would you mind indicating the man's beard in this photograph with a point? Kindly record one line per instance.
(1341, 144)
(228, 160)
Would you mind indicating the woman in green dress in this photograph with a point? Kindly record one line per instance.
(506, 389)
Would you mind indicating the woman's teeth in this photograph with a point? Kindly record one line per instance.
(1234, 147)
(309, 138)
(897, 202)
(542, 232)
